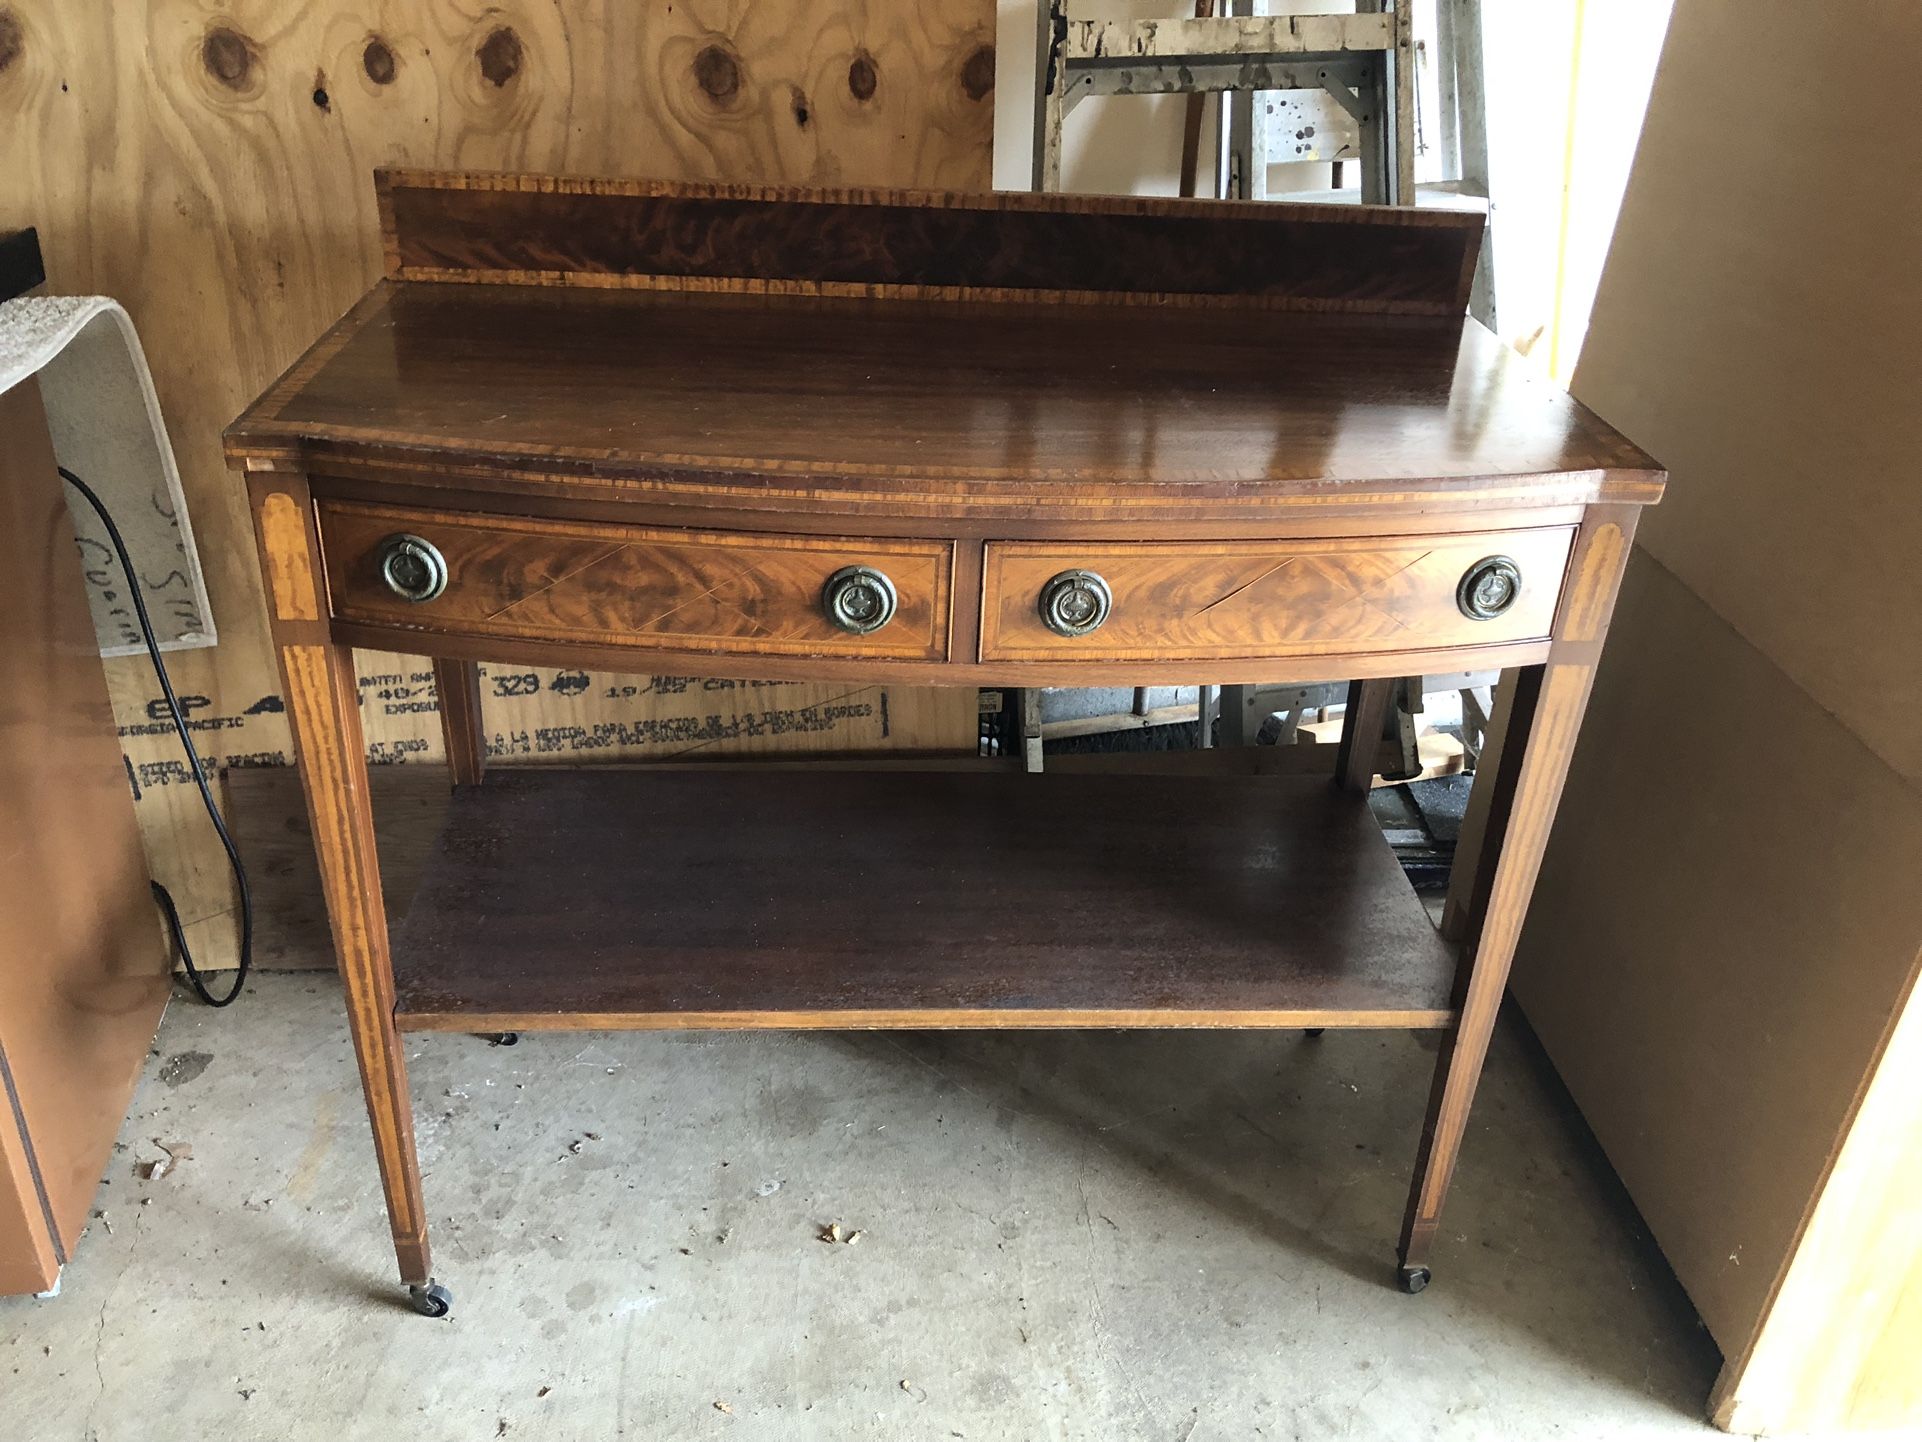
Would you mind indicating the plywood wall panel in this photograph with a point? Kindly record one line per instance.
(211, 167)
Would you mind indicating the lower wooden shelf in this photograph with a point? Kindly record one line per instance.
(744, 898)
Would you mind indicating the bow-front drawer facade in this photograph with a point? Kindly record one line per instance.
(1243, 600)
(638, 588)
(753, 594)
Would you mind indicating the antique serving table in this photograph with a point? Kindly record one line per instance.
(965, 440)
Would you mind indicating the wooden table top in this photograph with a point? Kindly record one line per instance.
(897, 354)
(1109, 397)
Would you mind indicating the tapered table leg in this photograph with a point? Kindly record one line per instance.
(1361, 729)
(323, 709)
(1544, 713)
(1468, 875)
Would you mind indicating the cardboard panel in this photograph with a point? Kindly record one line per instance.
(1726, 920)
(1845, 1331)
(1759, 328)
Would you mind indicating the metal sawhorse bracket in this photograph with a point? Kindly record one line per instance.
(1338, 70)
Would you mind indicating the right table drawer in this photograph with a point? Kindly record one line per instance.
(1226, 600)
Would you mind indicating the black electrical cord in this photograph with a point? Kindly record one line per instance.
(160, 893)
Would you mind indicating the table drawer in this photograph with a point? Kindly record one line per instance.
(653, 589)
(1228, 600)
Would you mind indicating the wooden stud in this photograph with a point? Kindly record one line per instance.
(1371, 120)
(1245, 39)
(1401, 74)
(1191, 118)
(1045, 170)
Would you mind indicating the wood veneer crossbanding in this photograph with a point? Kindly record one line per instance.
(913, 898)
(773, 239)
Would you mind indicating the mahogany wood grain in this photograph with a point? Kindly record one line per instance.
(723, 592)
(457, 687)
(913, 898)
(1136, 250)
(1226, 600)
(919, 407)
(323, 709)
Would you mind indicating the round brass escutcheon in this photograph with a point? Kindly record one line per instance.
(412, 567)
(859, 599)
(1075, 603)
(1488, 588)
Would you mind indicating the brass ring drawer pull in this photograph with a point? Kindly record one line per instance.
(859, 599)
(412, 567)
(1488, 588)
(1075, 603)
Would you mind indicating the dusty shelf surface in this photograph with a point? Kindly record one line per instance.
(649, 898)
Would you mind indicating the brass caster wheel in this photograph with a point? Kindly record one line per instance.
(432, 1300)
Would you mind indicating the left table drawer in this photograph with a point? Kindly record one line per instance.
(655, 589)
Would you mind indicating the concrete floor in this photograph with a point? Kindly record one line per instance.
(1095, 1235)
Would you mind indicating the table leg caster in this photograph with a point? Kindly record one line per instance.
(504, 1038)
(432, 1300)
(1412, 1279)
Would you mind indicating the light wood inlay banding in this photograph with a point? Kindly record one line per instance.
(290, 571)
(1592, 591)
(322, 707)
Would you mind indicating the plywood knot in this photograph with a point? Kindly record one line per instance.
(863, 78)
(717, 70)
(13, 37)
(323, 102)
(229, 56)
(977, 72)
(500, 56)
(800, 101)
(378, 60)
